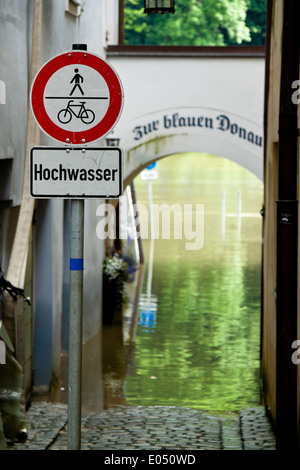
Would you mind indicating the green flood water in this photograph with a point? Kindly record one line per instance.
(197, 340)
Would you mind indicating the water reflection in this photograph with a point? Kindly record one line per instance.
(191, 329)
(205, 347)
(148, 301)
(114, 358)
(148, 307)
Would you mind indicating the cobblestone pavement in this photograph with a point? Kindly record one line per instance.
(149, 428)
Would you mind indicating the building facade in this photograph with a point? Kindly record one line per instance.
(35, 234)
(280, 315)
(223, 117)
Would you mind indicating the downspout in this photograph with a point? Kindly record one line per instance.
(287, 235)
(121, 22)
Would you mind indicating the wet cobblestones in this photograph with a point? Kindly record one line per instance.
(150, 428)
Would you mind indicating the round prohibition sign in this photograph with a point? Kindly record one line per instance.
(76, 98)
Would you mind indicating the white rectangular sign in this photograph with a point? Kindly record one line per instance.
(149, 175)
(81, 172)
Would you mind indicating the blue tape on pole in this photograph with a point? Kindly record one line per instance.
(76, 264)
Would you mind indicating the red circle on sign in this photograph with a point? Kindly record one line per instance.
(115, 98)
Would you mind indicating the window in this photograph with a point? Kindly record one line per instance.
(74, 7)
(196, 23)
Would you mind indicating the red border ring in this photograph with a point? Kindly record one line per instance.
(115, 102)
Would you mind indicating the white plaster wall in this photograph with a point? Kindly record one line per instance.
(57, 280)
(111, 24)
(233, 84)
(93, 258)
(61, 30)
(14, 76)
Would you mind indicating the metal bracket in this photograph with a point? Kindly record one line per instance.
(13, 291)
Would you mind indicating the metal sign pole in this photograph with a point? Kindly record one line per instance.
(75, 324)
(75, 317)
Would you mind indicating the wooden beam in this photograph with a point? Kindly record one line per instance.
(18, 257)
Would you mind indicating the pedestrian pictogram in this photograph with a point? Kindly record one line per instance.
(77, 97)
(77, 79)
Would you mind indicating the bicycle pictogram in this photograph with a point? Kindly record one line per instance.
(65, 115)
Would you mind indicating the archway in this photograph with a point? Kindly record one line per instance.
(229, 273)
(172, 131)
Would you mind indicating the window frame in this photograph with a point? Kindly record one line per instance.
(73, 7)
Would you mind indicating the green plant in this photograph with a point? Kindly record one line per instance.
(114, 267)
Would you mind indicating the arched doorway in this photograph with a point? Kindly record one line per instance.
(171, 131)
(198, 338)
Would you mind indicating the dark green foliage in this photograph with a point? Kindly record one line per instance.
(256, 21)
(197, 23)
